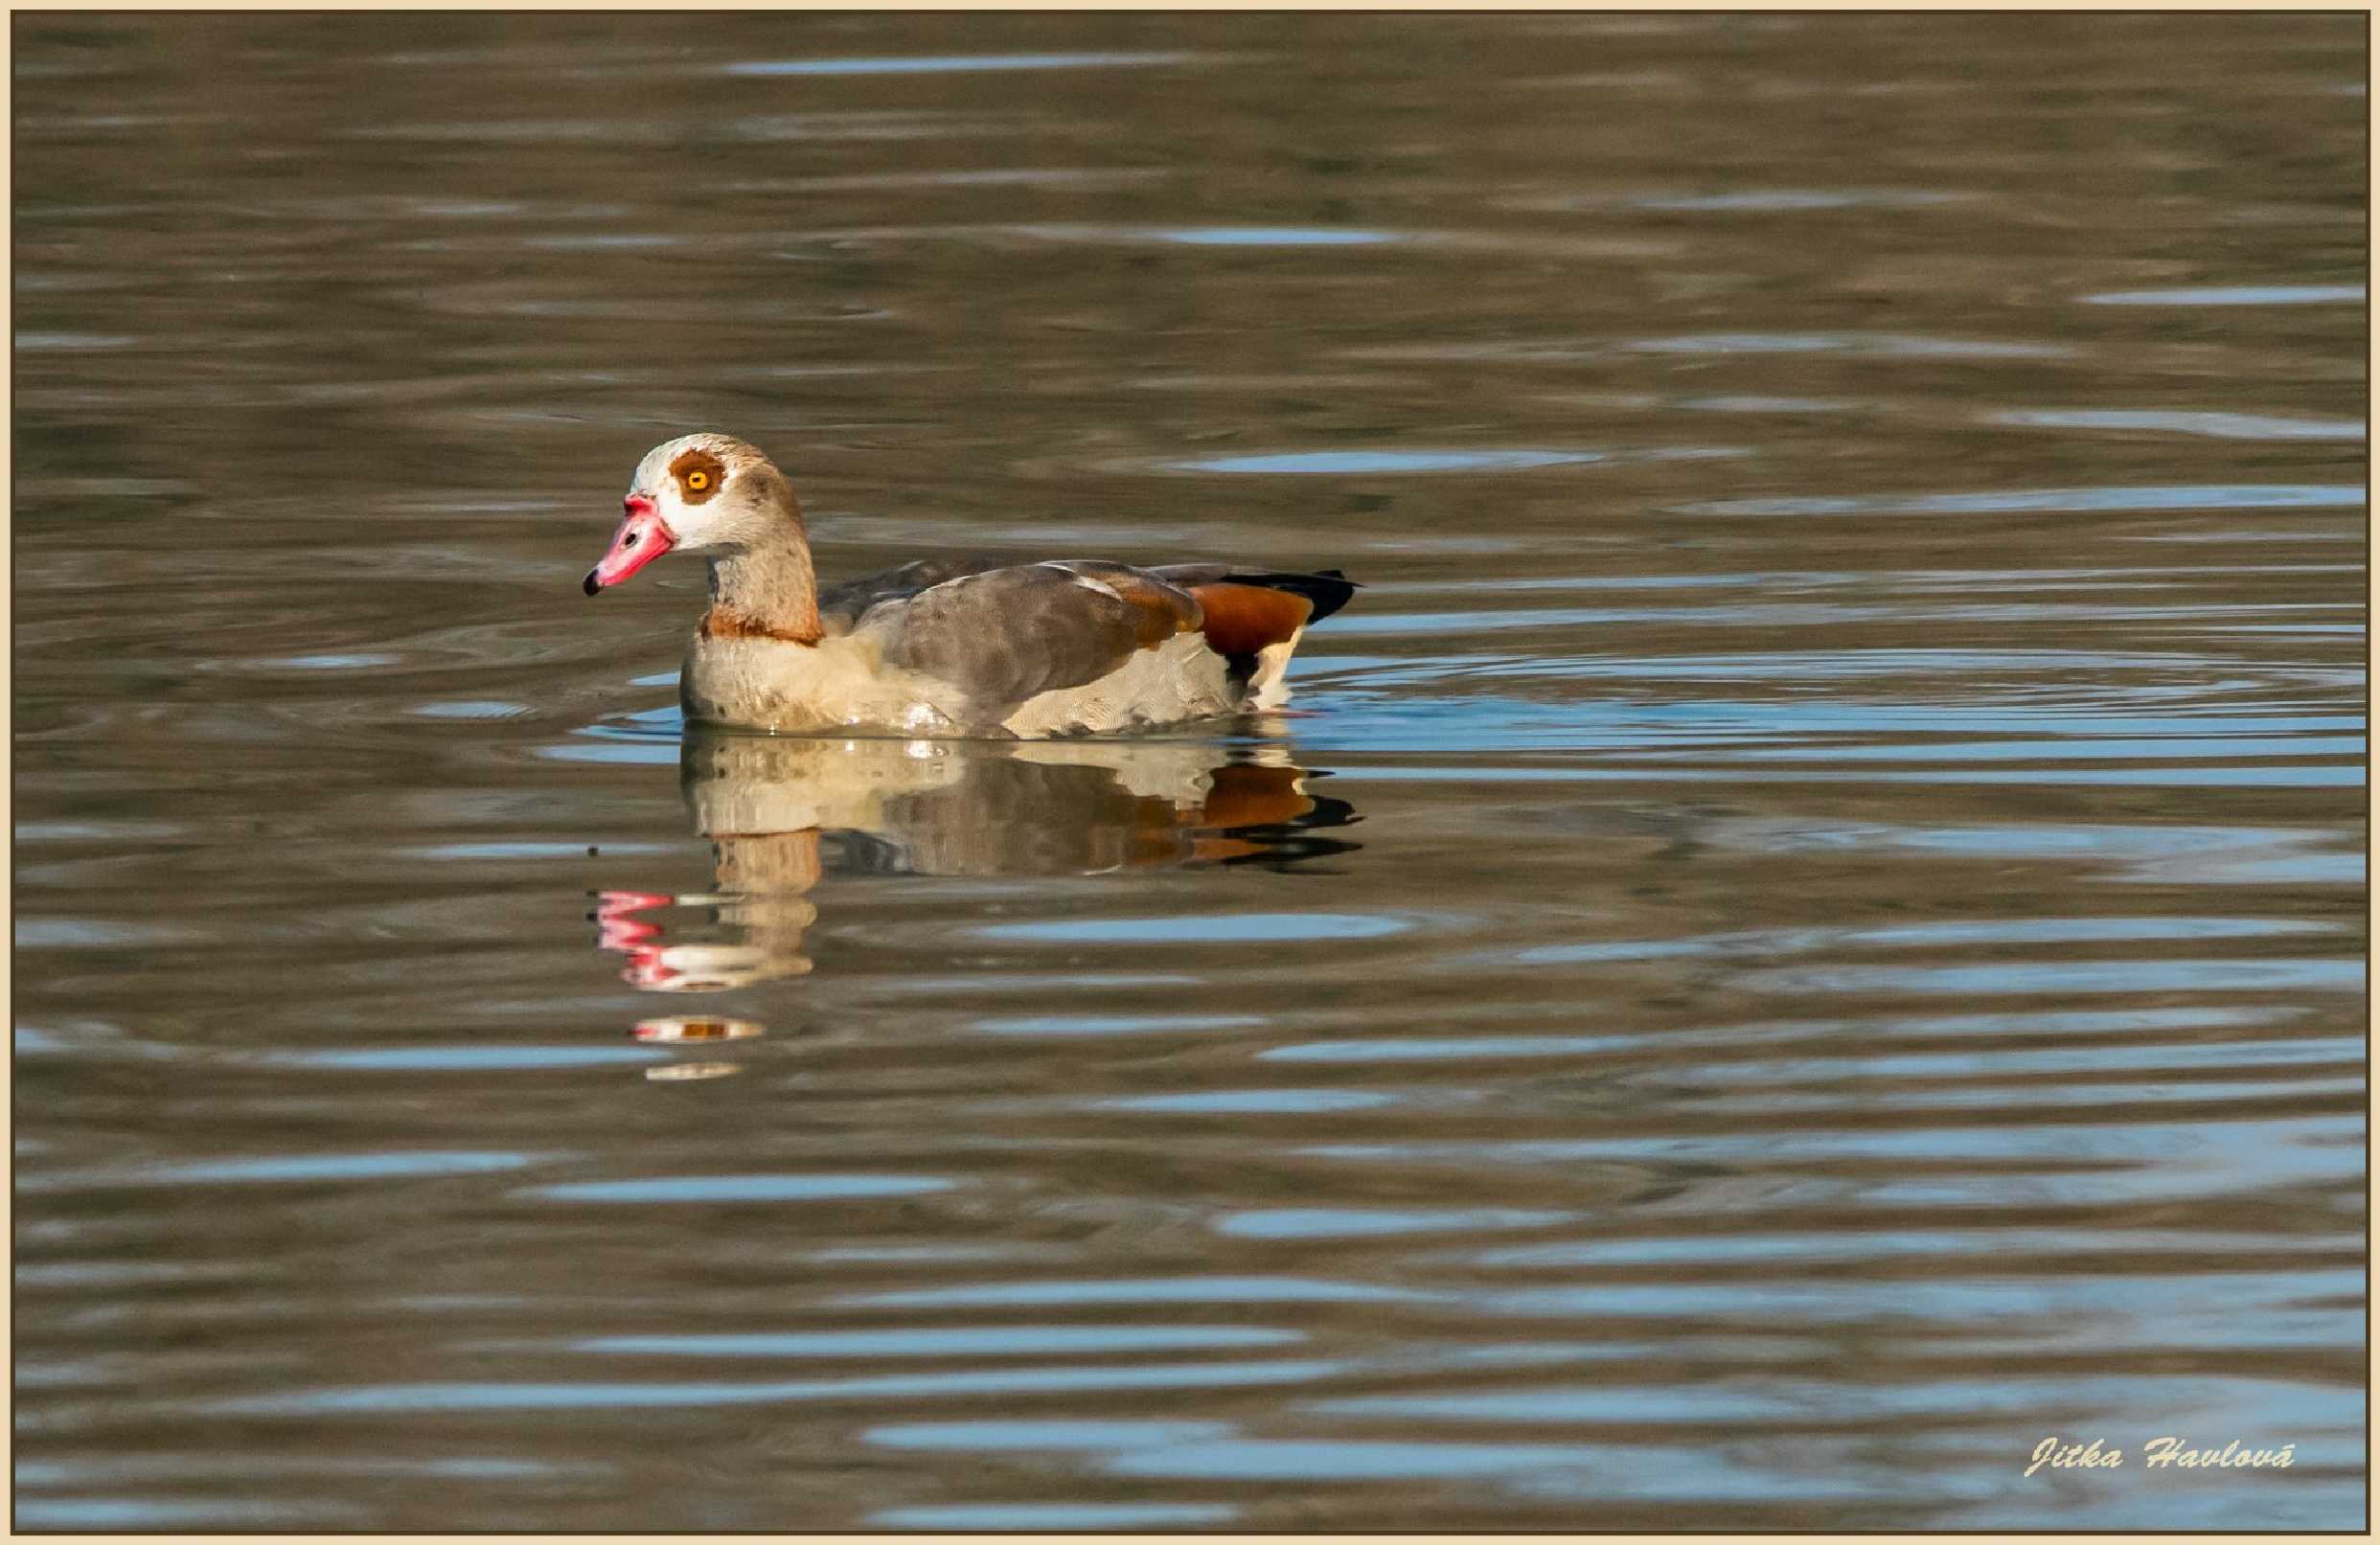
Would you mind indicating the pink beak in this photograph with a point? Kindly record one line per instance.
(641, 537)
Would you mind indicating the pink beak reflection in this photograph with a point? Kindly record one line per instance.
(641, 539)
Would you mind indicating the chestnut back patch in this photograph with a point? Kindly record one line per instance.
(699, 474)
(1242, 619)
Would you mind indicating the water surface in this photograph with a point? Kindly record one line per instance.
(1806, 934)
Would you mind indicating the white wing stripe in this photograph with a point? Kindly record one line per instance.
(1085, 581)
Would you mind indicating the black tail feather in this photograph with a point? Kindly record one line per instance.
(1327, 590)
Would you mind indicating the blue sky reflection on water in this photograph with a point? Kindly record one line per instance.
(1804, 928)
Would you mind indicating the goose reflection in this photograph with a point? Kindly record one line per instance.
(783, 814)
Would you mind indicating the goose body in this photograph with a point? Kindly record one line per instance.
(966, 647)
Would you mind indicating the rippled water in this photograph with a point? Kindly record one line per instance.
(1806, 935)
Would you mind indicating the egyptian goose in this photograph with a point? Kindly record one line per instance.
(964, 647)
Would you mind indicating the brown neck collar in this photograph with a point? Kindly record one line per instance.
(725, 621)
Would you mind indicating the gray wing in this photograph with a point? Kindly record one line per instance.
(841, 606)
(1005, 635)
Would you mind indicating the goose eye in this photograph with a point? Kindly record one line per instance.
(698, 481)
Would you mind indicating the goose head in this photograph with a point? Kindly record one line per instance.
(704, 493)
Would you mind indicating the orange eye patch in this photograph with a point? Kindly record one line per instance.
(700, 473)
